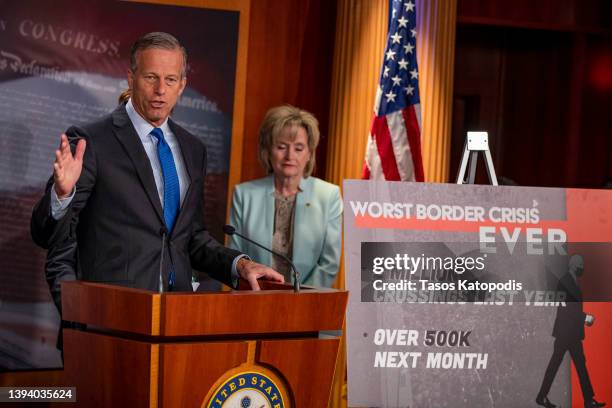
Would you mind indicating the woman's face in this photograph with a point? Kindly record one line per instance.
(289, 157)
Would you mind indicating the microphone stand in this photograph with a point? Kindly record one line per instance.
(163, 231)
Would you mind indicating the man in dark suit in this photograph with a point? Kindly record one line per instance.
(569, 333)
(131, 189)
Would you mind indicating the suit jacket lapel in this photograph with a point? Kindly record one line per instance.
(127, 136)
(266, 224)
(179, 133)
(300, 224)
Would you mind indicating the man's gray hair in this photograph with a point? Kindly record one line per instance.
(157, 40)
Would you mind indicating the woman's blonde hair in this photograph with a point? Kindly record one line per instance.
(277, 119)
(124, 96)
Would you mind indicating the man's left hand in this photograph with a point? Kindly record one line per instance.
(589, 320)
(251, 271)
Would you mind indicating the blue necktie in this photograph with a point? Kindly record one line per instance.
(172, 191)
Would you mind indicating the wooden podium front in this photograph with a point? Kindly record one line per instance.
(216, 349)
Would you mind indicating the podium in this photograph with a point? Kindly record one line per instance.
(137, 348)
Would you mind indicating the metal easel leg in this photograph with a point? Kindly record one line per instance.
(490, 168)
(476, 142)
(463, 165)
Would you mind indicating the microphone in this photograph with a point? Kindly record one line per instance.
(163, 231)
(229, 230)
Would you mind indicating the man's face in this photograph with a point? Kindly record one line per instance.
(157, 83)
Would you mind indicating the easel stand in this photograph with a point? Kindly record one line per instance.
(476, 142)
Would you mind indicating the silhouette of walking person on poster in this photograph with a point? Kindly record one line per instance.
(569, 333)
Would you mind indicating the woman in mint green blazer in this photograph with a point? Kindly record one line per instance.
(290, 211)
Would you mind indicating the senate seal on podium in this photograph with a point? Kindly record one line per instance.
(249, 389)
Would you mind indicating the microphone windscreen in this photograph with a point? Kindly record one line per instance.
(229, 230)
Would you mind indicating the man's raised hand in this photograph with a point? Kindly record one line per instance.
(67, 167)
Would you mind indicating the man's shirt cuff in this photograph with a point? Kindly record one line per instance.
(235, 274)
(59, 206)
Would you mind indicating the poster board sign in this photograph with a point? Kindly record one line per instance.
(455, 291)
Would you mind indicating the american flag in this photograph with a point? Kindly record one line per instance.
(394, 143)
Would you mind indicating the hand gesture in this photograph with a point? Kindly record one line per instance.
(589, 320)
(67, 168)
(251, 271)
